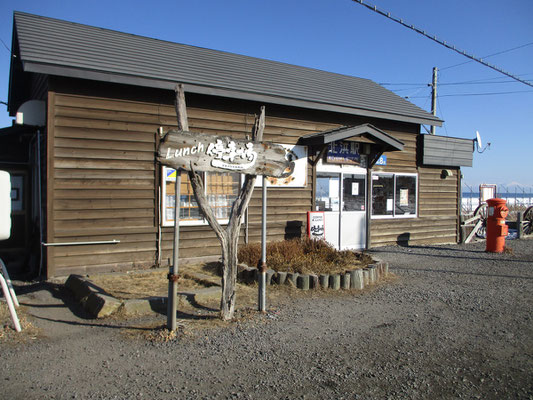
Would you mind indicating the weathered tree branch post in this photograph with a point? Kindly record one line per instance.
(197, 152)
(229, 238)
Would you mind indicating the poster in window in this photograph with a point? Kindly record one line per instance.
(298, 155)
(404, 197)
(315, 225)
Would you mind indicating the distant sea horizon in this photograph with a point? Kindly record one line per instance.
(517, 195)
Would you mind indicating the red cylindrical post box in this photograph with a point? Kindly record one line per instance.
(496, 228)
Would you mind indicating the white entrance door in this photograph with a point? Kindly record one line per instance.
(341, 194)
(353, 214)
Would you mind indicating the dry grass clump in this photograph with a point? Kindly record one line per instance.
(8, 334)
(303, 256)
(141, 284)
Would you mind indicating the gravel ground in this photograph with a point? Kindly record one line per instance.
(456, 323)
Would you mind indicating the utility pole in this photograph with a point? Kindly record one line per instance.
(434, 97)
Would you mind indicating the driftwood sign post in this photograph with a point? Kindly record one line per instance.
(195, 152)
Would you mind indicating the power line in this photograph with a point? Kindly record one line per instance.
(490, 55)
(474, 83)
(5, 45)
(441, 42)
(475, 94)
(483, 81)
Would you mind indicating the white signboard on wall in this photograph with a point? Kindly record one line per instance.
(315, 224)
(298, 155)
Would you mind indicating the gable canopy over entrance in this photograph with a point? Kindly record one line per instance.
(379, 141)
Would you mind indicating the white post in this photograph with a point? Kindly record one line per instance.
(9, 285)
(172, 306)
(262, 274)
(10, 305)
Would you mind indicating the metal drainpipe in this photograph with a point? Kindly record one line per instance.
(40, 197)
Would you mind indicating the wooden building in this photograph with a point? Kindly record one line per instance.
(108, 205)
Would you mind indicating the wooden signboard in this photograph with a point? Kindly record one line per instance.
(209, 153)
(344, 152)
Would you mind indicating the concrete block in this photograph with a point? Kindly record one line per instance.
(101, 305)
(203, 295)
(371, 274)
(356, 279)
(280, 277)
(366, 276)
(335, 281)
(377, 272)
(159, 304)
(324, 281)
(269, 275)
(313, 281)
(242, 272)
(252, 275)
(385, 267)
(137, 307)
(303, 282)
(345, 280)
(292, 279)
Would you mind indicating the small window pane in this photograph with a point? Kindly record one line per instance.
(189, 210)
(327, 192)
(222, 190)
(354, 190)
(382, 194)
(405, 195)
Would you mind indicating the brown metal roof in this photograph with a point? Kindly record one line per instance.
(56, 47)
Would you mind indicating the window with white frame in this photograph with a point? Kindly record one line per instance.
(221, 190)
(394, 195)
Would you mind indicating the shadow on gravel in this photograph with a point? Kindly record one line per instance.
(448, 272)
(197, 317)
(94, 324)
(483, 255)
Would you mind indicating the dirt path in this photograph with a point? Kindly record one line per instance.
(456, 323)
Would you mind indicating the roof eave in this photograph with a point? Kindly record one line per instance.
(72, 72)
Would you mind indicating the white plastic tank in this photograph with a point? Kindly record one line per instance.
(5, 205)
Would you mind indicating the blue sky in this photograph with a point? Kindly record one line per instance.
(344, 37)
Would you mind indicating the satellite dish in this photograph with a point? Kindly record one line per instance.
(479, 143)
(478, 140)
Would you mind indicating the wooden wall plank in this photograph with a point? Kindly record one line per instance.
(105, 179)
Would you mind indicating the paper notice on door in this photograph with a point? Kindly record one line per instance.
(390, 204)
(355, 188)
